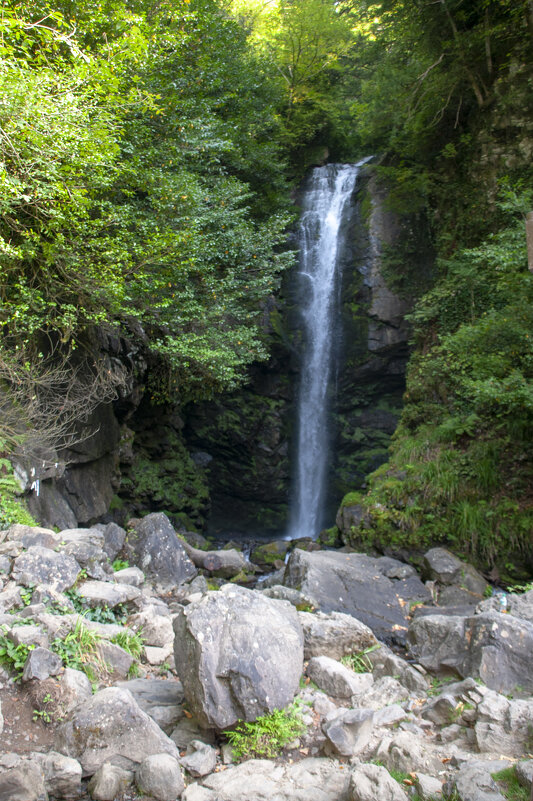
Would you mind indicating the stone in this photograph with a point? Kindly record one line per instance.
(114, 538)
(28, 635)
(187, 730)
(406, 753)
(118, 660)
(23, 783)
(386, 663)
(427, 787)
(159, 776)
(111, 726)
(105, 593)
(439, 642)
(500, 652)
(34, 535)
(348, 730)
(238, 654)
(156, 629)
(158, 552)
(263, 780)
(200, 759)
(162, 699)
(474, 782)
(390, 715)
(1, 718)
(109, 782)
(294, 597)
(334, 635)
(130, 575)
(10, 598)
(383, 692)
(336, 679)
(353, 583)
(524, 772)
(159, 656)
(374, 783)
(444, 567)
(62, 775)
(43, 566)
(40, 664)
(75, 688)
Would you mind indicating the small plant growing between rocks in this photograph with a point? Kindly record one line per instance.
(120, 564)
(131, 642)
(268, 735)
(360, 663)
(509, 785)
(13, 656)
(79, 650)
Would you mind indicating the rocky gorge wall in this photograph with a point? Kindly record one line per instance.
(229, 460)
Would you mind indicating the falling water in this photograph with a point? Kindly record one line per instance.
(326, 200)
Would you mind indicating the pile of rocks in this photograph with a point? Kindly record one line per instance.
(399, 696)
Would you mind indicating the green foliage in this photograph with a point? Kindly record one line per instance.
(11, 655)
(79, 650)
(509, 785)
(131, 642)
(134, 143)
(267, 736)
(98, 614)
(359, 662)
(120, 564)
(12, 509)
(460, 467)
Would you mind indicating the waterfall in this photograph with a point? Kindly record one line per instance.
(326, 201)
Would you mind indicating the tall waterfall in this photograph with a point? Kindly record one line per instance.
(326, 201)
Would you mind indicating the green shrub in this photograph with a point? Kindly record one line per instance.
(268, 735)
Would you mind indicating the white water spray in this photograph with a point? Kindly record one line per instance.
(325, 203)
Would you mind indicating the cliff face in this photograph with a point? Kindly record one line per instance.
(229, 460)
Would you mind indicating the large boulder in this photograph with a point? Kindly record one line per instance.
(495, 647)
(111, 727)
(447, 569)
(238, 654)
(40, 565)
(334, 635)
(159, 553)
(357, 585)
(263, 780)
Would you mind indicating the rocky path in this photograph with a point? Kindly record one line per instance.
(125, 667)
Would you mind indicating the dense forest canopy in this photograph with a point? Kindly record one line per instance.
(148, 152)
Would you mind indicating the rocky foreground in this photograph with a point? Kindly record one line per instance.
(127, 659)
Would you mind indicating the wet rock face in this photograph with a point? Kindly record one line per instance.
(243, 440)
(238, 654)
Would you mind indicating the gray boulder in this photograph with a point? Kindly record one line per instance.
(160, 698)
(62, 775)
(475, 783)
(334, 635)
(374, 783)
(159, 553)
(111, 726)
(109, 782)
(23, 783)
(386, 663)
(444, 567)
(348, 730)
(494, 647)
(156, 628)
(238, 654)
(34, 535)
(200, 759)
(40, 565)
(356, 585)
(263, 780)
(159, 776)
(106, 593)
(40, 664)
(337, 680)
(114, 538)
